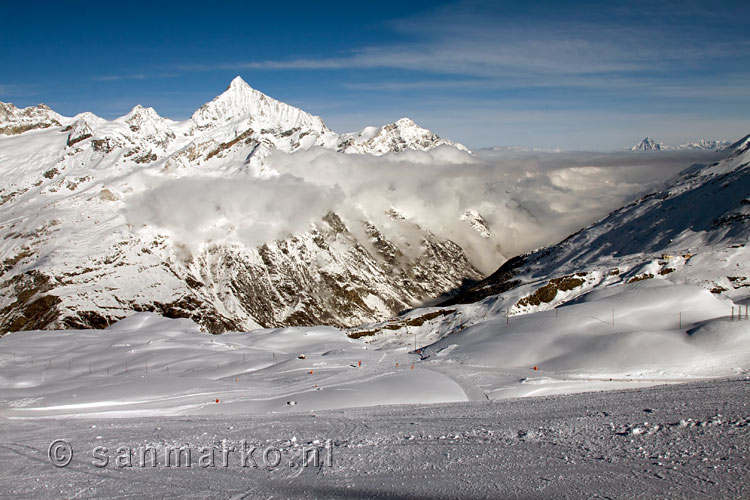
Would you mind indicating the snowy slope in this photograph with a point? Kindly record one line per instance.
(149, 365)
(694, 232)
(635, 335)
(650, 294)
(656, 292)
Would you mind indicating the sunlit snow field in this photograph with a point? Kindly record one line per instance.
(630, 335)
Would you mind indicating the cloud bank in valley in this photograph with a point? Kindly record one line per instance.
(528, 199)
(253, 211)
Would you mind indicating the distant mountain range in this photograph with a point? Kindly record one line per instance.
(649, 144)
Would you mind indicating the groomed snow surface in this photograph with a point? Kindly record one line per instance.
(679, 441)
(293, 387)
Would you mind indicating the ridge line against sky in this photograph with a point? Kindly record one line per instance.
(547, 74)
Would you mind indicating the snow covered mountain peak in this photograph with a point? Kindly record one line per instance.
(406, 122)
(242, 103)
(94, 179)
(17, 121)
(395, 137)
(149, 126)
(238, 84)
(141, 113)
(80, 130)
(647, 144)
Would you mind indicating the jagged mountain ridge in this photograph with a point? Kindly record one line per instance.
(649, 144)
(17, 121)
(241, 123)
(399, 136)
(71, 259)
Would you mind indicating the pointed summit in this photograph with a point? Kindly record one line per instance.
(80, 131)
(139, 113)
(648, 144)
(238, 83)
(244, 106)
(149, 126)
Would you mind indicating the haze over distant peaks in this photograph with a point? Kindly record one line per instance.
(649, 144)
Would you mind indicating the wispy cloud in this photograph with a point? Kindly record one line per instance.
(464, 47)
(134, 76)
(13, 90)
(478, 56)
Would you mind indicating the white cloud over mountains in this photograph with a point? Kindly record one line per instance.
(528, 199)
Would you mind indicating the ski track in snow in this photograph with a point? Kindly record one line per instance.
(685, 441)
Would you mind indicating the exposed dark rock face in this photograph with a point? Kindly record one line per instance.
(326, 276)
(33, 308)
(500, 281)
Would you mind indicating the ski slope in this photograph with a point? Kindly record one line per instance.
(632, 335)
(688, 441)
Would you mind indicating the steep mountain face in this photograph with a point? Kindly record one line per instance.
(647, 144)
(73, 255)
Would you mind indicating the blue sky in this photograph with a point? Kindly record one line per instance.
(593, 75)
